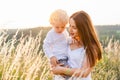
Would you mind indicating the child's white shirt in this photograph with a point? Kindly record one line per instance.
(56, 44)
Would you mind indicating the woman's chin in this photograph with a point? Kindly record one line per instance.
(72, 37)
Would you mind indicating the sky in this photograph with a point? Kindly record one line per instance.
(34, 13)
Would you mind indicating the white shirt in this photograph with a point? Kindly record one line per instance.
(76, 58)
(55, 44)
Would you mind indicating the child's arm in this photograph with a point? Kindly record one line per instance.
(53, 61)
(47, 47)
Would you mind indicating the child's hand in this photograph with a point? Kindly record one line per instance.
(53, 61)
(73, 41)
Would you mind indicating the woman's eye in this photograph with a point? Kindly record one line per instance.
(74, 27)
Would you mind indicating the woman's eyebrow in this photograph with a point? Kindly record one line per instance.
(73, 26)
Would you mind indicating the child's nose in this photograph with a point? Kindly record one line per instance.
(60, 29)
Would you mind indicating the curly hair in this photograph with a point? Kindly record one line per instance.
(59, 17)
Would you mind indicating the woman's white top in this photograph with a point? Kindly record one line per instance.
(76, 58)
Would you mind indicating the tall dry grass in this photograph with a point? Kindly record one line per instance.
(23, 59)
(109, 67)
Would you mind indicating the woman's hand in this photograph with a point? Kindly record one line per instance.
(82, 72)
(77, 73)
(57, 70)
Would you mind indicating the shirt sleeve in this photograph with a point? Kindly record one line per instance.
(47, 46)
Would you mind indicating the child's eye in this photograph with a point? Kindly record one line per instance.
(57, 27)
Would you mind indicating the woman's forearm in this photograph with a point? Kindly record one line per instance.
(83, 72)
(69, 71)
(76, 72)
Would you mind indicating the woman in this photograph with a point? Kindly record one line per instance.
(85, 52)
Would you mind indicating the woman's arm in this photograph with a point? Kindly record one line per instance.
(83, 71)
(59, 70)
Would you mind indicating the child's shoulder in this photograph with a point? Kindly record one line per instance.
(50, 32)
(66, 32)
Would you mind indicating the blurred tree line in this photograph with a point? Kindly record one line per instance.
(105, 32)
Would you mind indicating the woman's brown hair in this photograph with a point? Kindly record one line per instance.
(88, 36)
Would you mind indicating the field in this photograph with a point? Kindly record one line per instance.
(22, 57)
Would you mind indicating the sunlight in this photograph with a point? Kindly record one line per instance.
(32, 13)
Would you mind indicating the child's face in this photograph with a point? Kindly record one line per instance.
(59, 28)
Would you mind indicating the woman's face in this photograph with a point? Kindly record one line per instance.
(73, 29)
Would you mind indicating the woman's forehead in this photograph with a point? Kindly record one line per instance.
(72, 22)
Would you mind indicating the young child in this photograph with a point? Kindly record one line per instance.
(55, 44)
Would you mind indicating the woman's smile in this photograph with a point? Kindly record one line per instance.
(71, 34)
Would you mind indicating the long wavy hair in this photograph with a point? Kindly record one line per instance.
(88, 36)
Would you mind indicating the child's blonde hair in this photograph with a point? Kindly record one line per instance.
(59, 17)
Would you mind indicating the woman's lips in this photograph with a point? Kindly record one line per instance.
(71, 34)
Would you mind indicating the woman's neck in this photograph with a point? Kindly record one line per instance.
(76, 43)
